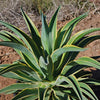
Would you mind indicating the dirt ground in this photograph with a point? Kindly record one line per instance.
(8, 55)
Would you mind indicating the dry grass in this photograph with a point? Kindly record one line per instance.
(10, 9)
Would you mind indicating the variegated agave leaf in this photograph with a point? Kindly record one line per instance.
(48, 69)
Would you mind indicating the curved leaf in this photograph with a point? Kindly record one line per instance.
(54, 96)
(27, 40)
(12, 37)
(45, 35)
(91, 81)
(82, 74)
(88, 91)
(90, 61)
(47, 66)
(30, 97)
(41, 93)
(83, 62)
(88, 40)
(17, 31)
(47, 94)
(82, 43)
(26, 93)
(3, 65)
(43, 64)
(30, 24)
(65, 33)
(26, 77)
(14, 76)
(18, 86)
(76, 87)
(32, 28)
(4, 37)
(60, 94)
(29, 63)
(27, 53)
(76, 37)
(12, 68)
(50, 68)
(53, 29)
(79, 42)
(67, 48)
(72, 81)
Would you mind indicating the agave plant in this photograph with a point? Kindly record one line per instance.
(48, 68)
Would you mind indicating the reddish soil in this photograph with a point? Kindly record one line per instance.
(8, 55)
(92, 21)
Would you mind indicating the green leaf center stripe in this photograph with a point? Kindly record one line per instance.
(85, 61)
(53, 29)
(14, 76)
(66, 48)
(49, 68)
(26, 93)
(12, 67)
(65, 33)
(74, 20)
(30, 24)
(80, 34)
(11, 37)
(33, 30)
(45, 35)
(88, 40)
(46, 94)
(19, 86)
(16, 31)
(88, 91)
(91, 81)
(76, 86)
(6, 36)
(25, 76)
(26, 52)
(28, 41)
(72, 81)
